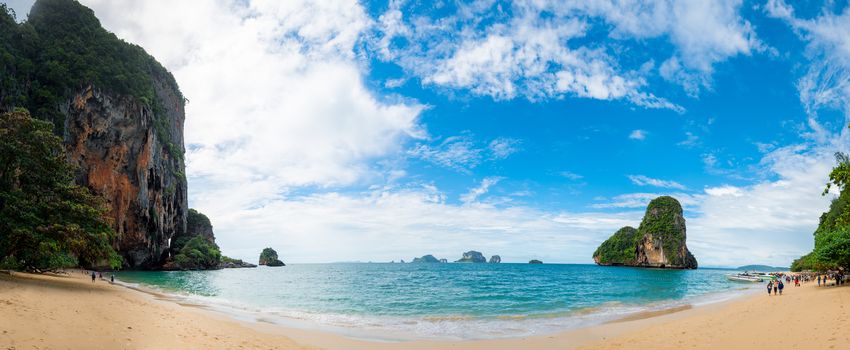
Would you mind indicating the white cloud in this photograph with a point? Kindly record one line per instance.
(524, 54)
(456, 152)
(769, 221)
(394, 83)
(641, 200)
(827, 81)
(690, 140)
(531, 49)
(463, 153)
(474, 193)
(503, 147)
(638, 135)
(724, 191)
(642, 180)
(571, 175)
(401, 223)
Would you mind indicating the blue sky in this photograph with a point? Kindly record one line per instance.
(340, 131)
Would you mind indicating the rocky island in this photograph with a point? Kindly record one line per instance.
(269, 257)
(535, 261)
(426, 259)
(472, 257)
(495, 259)
(658, 242)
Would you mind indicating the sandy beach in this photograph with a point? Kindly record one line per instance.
(70, 312)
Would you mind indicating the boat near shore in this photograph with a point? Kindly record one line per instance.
(745, 277)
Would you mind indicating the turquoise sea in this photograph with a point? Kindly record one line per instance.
(439, 301)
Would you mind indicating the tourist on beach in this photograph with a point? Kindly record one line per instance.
(92, 277)
(776, 286)
(112, 278)
(769, 287)
(818, 280)
(781, 286)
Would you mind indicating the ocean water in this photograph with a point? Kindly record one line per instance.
(439, 301)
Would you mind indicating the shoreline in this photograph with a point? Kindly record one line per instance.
(567, 321)
(69, 311)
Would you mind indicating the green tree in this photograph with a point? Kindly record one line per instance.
(46, 222)
(833, 247)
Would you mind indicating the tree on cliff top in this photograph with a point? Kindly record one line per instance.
(46, 222)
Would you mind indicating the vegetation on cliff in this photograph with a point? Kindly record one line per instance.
(619, 249)
(832, 236)
(199, 253)
(46, 221)
(61, 48)
(197, 224)
(269, 257)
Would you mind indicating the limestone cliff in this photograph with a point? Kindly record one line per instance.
(121, 157)
(119, 111)
(660, 241)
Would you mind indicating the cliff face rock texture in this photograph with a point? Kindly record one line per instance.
(658, 242)
(495, 259)
(114, 142)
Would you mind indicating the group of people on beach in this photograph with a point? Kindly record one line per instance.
(837, 278)
(775, 285)
(98, 275)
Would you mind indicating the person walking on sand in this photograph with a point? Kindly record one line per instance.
(112, 279)
(818, 280)
(781, 286)
(92, 277)
(776, 286)
(769, 287)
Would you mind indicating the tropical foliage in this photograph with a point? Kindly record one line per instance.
(619, 249)
(46, 222)
(832, 237)
(198, 253)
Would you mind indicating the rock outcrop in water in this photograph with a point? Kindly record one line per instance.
(229, 263)
(120, 112)
(268, 257)
(472, 257)
(426, 259)
(535, 261)
(495, 259)
(658, 242)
